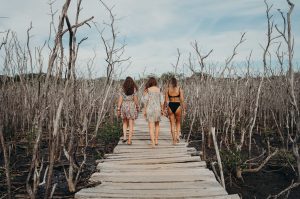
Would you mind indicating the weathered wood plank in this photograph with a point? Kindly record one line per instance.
(160, 185)
(152, 177)
(166, 160)
(159, 156)
(146, 151)
(182, 166)
(209, 193)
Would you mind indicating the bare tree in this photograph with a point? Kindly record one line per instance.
(4, 41)
(6, 161)
(201, 58)
(114, 53)
(114, 56)
(286, 34)
(175, 66)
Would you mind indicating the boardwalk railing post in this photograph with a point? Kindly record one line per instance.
(213, 132)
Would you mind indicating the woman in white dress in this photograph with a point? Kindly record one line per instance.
(153, 101)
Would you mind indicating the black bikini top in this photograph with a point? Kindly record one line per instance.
(170, 96)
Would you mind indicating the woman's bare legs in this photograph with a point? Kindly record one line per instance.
(175, 123)
(125, 122)
(128, 125)
(172, 125)
(178, 123)
(156, 132)
(151, 130)
(131, 129)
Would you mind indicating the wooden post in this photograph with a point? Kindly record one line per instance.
(213, 132)
(203, 143)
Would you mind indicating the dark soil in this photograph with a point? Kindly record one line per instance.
(273, 178)
(21, 163)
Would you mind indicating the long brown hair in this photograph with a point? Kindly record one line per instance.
(151, 82)
(129, 87)
(173, 82)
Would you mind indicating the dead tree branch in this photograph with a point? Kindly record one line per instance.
(234, 53)
(261, 165)
(175, 66)
(201, 57)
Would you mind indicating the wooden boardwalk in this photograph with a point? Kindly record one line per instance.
(168, 171)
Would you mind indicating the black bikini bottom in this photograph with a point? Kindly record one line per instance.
(174, 106)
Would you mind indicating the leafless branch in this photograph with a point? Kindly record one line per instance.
(262, 164)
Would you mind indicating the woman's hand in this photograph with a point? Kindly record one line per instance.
(183, 112)
(164, 112)
(118, 112)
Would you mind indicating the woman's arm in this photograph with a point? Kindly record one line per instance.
(145, 98)
(119, 104)
(182, 100)
(162, 103)
(166, 97)
(145, 101)
(136, 102)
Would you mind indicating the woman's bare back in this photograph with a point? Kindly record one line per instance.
(154, 89)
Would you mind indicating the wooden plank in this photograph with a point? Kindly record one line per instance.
(182, 166)
(109, 196)
(148, 148)
(153, 151)
(158, 161)
(147, 145)
(209, 193)
(160, 185)
(149, 153)
(148, 156)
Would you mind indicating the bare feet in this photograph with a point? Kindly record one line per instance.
(174, 142)
(124, 140)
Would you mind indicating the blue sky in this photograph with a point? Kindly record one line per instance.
(153, 30)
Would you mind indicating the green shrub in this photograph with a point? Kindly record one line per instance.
(232, 159)
(284, 156)
(109, 132)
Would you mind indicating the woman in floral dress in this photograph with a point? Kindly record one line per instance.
(153, 102)
(128, 107)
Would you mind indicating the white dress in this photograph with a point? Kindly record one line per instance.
(153, 101)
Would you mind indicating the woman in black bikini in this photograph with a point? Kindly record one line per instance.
(175, 100)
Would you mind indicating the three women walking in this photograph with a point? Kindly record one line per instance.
(154, 103)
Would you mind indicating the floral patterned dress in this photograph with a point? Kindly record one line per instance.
(153, 101)
(128, 108)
